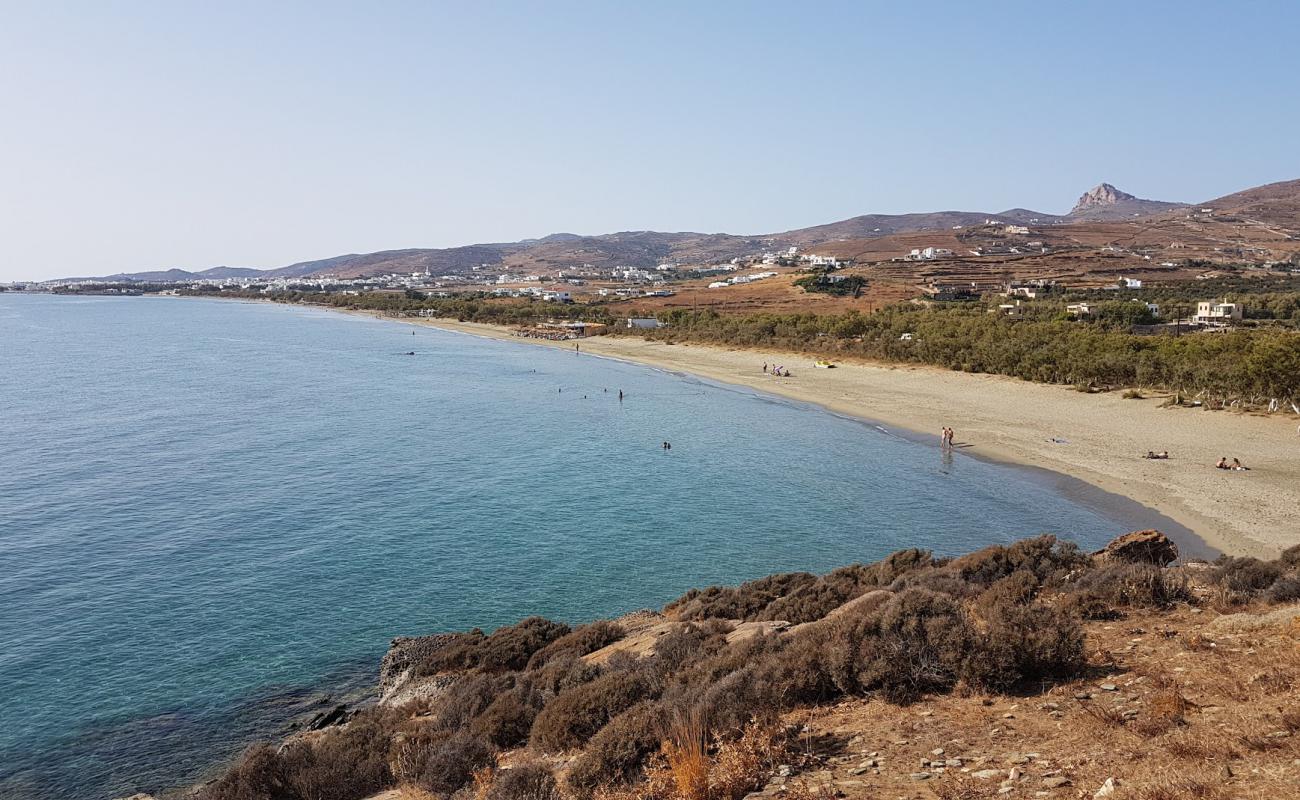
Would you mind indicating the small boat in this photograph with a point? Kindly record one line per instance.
(824, 365)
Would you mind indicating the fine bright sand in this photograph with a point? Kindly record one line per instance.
(1097, 438)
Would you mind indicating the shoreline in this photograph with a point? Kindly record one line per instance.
(1090, 439)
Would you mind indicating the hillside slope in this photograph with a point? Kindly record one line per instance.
(1029, 670)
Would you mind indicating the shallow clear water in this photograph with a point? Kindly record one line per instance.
(208, 508)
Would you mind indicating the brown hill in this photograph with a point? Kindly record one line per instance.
(1105, 202)
(1275, 203)
(1255, 224)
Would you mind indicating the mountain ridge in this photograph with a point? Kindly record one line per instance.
(1276, 203)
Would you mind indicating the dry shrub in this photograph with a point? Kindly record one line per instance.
(685, 750)
(531, 781)
(346, 763)
(578, 642)
(507, 648)
(688, 644)
(467, 698)
(942, 580)
(453, 763)
(616, 753)
(917, 642)
(1169, 704)
(510, 647)
(449, 652)
(759, 678)
(574, 716)
(559, 675)
(1017, 589)
(815, 600)
(1246, 576)
(1290, 718)
(1285, 589)
(1166, 709)
(1089, 605)
(1104, 715)
(1291, 556)
(1135, 585)
(1274, 680)
(409, 751)
(1043, 556)
(742, 602)
(742, 765)
(507, 719)
(1025, 643)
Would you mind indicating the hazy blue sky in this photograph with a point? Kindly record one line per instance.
(137, 135)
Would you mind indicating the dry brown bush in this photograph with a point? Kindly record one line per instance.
(508, 719)
(574, 716)
(530, 781)
(578, 642)
(1291, 556)
(1135, 585)
(815, 600)
(453, 763)
(1246, 576)
(742, 602)
(617, 752)
(560, 674)
(1044, 556)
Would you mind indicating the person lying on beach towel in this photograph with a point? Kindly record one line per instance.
(1237, 465)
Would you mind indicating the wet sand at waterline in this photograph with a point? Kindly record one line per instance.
(1097, 438)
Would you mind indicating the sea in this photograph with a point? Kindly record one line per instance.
(215, 515)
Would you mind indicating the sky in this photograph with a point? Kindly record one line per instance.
(150, 135)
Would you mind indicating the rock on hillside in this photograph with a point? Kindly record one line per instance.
(1140, 547)
(1105, 202)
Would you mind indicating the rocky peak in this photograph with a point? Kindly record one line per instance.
(1100, 195)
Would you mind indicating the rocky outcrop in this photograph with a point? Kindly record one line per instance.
(1103, 194)
(1140, 547)
(398, 685)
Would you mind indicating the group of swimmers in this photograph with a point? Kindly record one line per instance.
(780, 372)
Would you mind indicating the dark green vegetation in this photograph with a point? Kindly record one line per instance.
(1252, 367)
(823, 282)
(1003, 619)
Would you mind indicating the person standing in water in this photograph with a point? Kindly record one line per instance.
(620, 395)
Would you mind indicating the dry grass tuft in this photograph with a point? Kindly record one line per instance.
(1105, 716)
(685, 751)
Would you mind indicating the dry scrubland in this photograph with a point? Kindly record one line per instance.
(1019, 671)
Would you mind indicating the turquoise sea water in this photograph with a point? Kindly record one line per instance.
(208, 509)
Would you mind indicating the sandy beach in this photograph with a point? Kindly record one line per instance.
(1097, 438)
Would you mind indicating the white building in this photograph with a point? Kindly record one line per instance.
(929, 253)
(1017, 229)
(557, 297)
(1080, 309)
(1210, 312)
(644, 323)
(1130, 283)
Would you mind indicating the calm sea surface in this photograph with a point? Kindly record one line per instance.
(209, 510)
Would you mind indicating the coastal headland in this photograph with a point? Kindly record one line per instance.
(1097, 438)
